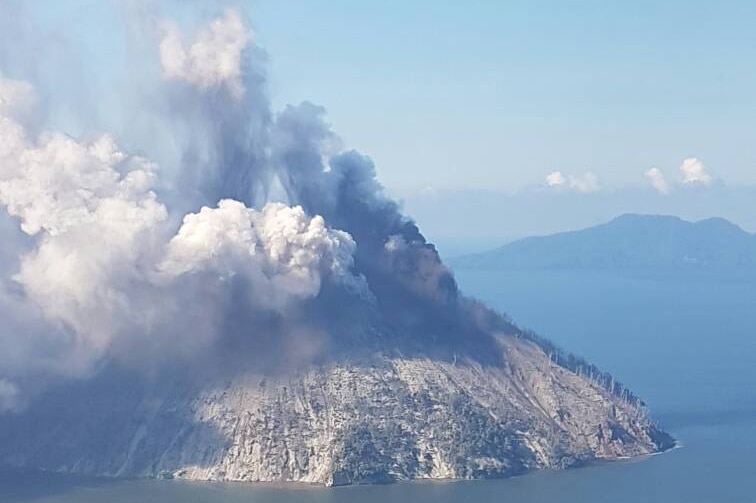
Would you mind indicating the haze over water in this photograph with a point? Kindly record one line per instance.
(685, 345)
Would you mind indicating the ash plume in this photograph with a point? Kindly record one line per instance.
(256, 236)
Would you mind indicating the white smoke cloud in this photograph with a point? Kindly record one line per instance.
(103, 271)
(282, 251)
(585, 183)
(17, 98)
(657, 180)
(214, 58)
(89, 206)
(60, 184)
(693, 172)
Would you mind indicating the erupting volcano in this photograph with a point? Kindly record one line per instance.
(241, 301)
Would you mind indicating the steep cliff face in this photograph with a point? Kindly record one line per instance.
(375, 419)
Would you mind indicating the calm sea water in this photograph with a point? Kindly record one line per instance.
(688, 346)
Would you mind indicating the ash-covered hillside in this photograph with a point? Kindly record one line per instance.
(369, 419)
(253, 307)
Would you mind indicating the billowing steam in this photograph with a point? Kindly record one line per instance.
(279, 250)
(213, 59)
(257, 230)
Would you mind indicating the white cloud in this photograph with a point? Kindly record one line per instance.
(693, 172)
(657, 180)
(585, 183)
(555, 179)
(213, 59)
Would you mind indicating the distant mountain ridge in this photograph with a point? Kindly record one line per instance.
(628, 242)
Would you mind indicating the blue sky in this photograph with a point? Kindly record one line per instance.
(457, 99)
(498, 94)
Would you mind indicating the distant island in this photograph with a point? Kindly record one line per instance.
(628, 243)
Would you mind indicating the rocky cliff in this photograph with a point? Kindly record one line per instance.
(375, 419)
